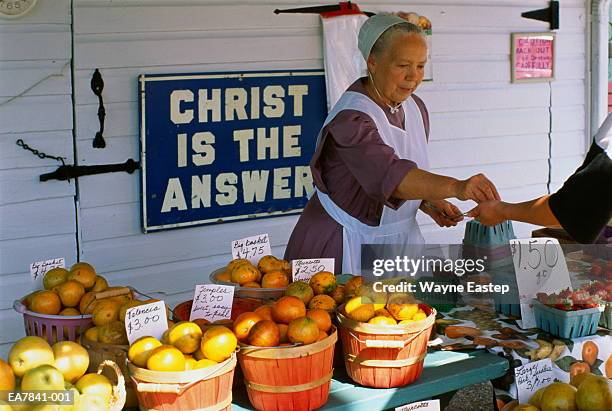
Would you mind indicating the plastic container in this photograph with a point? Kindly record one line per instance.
(510, 310)
(289, 378)
(566, 324)
(606, 318)
(246, 292)
(207, 388)
(53, 328)
(477, 234)
(385, 356)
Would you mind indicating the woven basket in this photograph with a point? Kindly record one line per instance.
(385, 356)
(289, 378)
(119, 394)
(208, 389)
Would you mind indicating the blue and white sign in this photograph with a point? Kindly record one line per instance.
(225, 147)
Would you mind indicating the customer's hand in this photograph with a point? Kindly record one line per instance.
(489, 212)
(478, 188)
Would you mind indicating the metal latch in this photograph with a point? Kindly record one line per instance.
(68, 172)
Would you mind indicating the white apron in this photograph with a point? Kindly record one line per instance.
(396, 226)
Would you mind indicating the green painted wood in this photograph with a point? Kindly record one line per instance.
(443, 372)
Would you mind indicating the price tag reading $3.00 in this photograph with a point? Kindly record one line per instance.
(306, 268)
(252, 248)
(146, 320)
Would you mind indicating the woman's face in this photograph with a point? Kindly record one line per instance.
(398, 70)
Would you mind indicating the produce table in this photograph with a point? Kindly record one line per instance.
(444, 371)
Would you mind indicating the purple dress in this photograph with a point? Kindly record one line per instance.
(358, 171)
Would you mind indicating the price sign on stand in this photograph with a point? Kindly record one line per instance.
(531, 377)
(212, 302)
(540, 267)
(146, 320)
(432, 405)
(252, 248)
(40, 268)
(305, 269)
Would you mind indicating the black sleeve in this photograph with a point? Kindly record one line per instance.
(583, 205)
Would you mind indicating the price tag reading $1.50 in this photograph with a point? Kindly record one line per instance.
(305, 269)
(252, 248)
(146, 320)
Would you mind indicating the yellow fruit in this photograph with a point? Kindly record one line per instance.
(4, 405)
(95, 385)
(402, 311)
(28, 353)
(205, 363)
(70, 293)
(323, 282)
(166, 358)
(577, 379)
(83, 273)
(7, 377)
(190, 362)
(71, 359)
(185, 336)
(70, 311)
(382, 320)
(199, 355)
(100, 284)
(88, 303)
(92, 333)
(46, 302)
(559, 396)
(113, 333)
(141, 350)
(420, 315)
(356, 302)
(43, 377)
(536, 398)
(595, 394)
(54, 277)
(92, 402)
(218, 343)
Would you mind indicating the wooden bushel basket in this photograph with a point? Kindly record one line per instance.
(385, 356)
(289, 378)
(204, 389)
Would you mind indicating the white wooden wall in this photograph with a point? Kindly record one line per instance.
(37, 220)
(480, 122)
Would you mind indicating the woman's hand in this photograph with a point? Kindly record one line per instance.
(444, 213)
(489, 212)
(478, 188)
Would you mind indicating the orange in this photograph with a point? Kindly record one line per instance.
(185, 336)
(274, 279)
(83, 273)
(141, 349)
(352, 285)
(166, 358)
(323, 282)
(224, 276)
(338, 294)
(106, 312)
(46, 302)
(235, 263)
(590, 351)
(321, 317)
(287, 309)
(70, 292)
(190, 362)
(282, 328)
(245, 273)
(69, 311)
(218, 343)
(265, 312)
(360, 309)
(264, 334)
(7, 377)
(86, 305)
(54, 277)
(243, 324)
(100, 284)
(269, 263)
(303, 330)
(322, 335)
(420, 315)
(301, 290)
(91, 334)
(322, 301)
(251, 284)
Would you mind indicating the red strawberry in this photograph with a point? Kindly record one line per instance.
(596, 270)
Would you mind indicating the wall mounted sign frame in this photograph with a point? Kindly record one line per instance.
(533, 57)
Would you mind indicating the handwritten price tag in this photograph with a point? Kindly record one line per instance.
(540, 267)
(252, 248)
(531, 377)
(40, 268)
(212, 302)
(433, 405)
(305, 269)
(146, 320)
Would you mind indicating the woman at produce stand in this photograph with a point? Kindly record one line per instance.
(370, 165)
(583, 206)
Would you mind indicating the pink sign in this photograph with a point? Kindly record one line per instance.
(533, 56)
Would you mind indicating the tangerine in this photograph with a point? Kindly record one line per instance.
(264, 334)
(282, 328)
(243, 324)
(265, 312)
(322, 301)
(274, 279)
(338, 294)
(352, 285)
(235, 263)
(269, 263)
(321, 317)
(83, 273)
(251, 284)
(70, 293)
(323, 282)
(303, 330)
(301, 290)
(287, 309)
(245, 273)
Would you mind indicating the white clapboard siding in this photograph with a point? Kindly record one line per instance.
(37, 219)
(480, 121)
